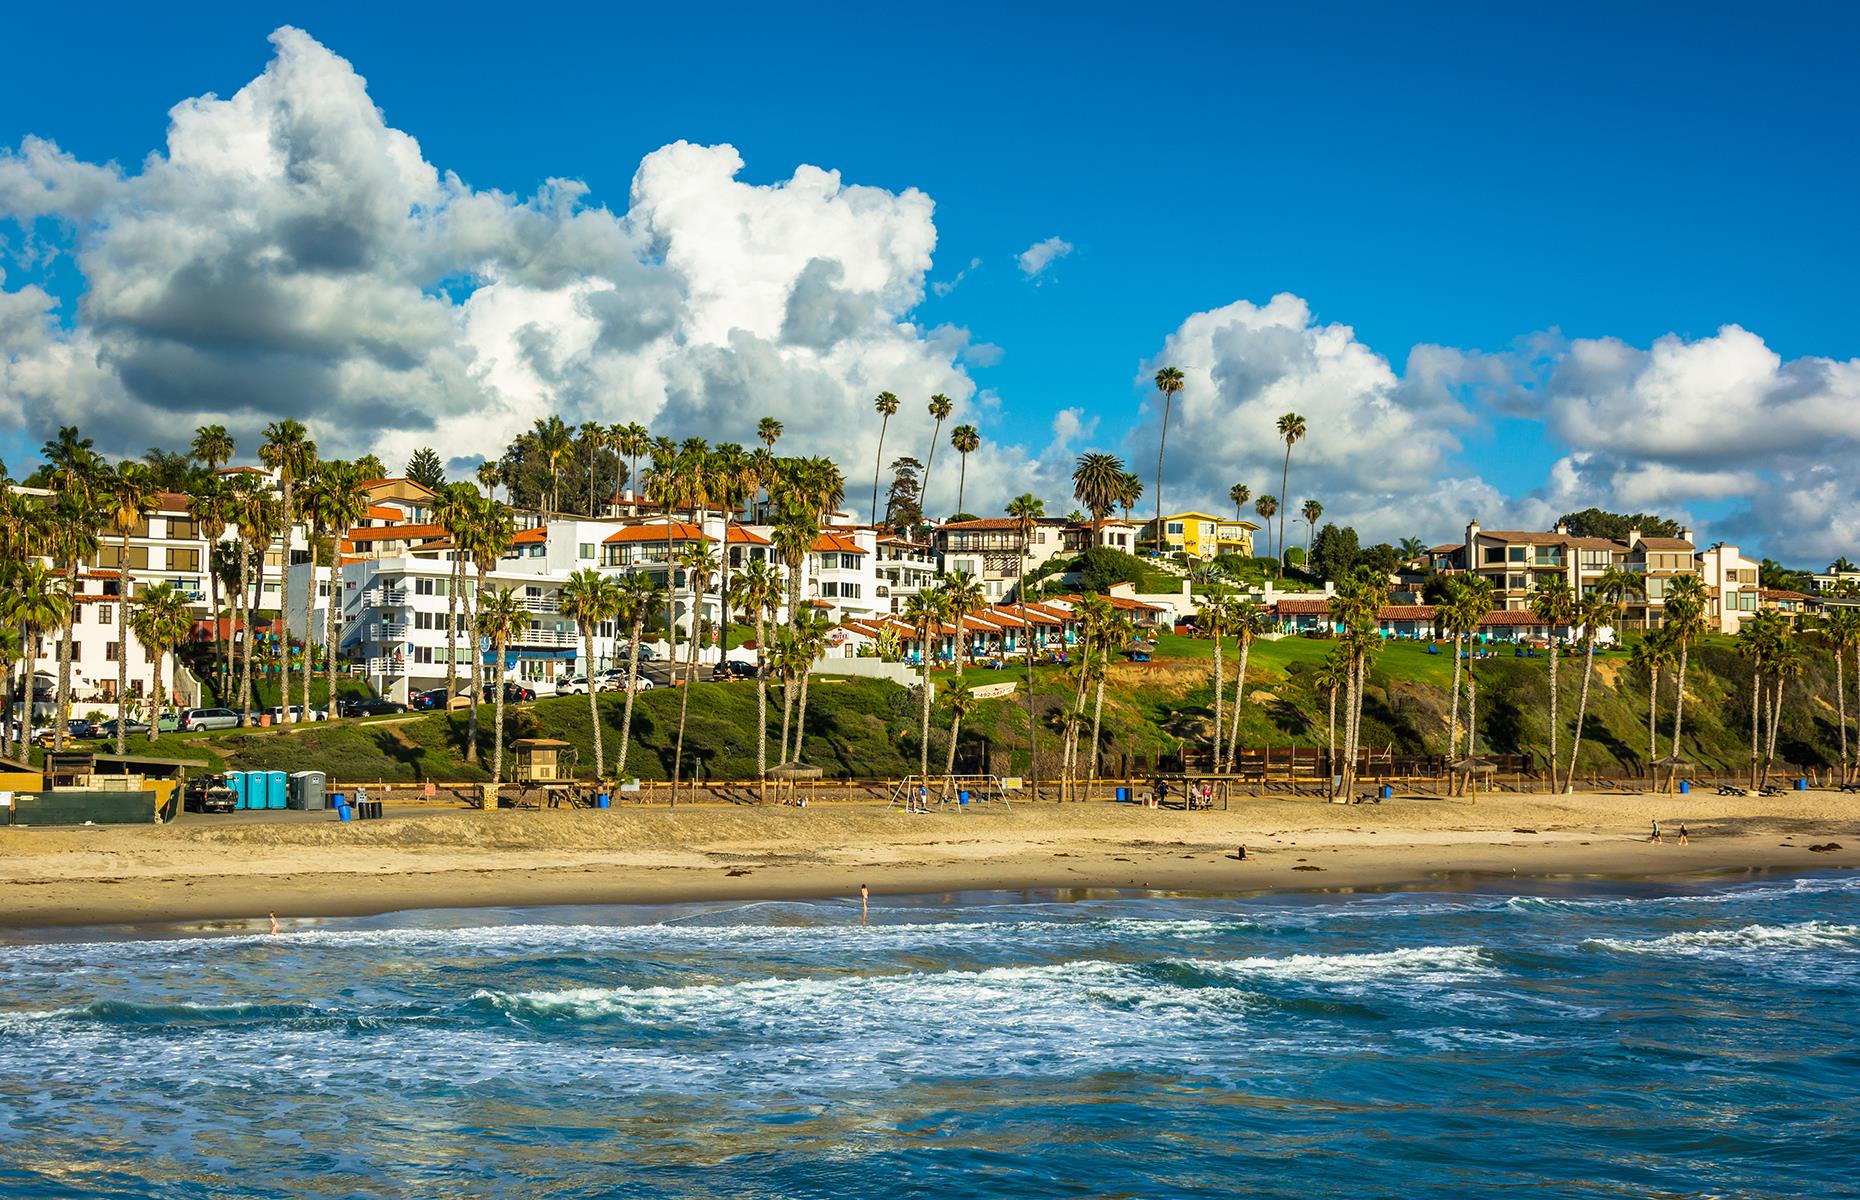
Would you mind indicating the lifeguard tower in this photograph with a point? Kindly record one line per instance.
(545, 771)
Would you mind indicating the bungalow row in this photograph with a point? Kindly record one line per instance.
(1414, 621)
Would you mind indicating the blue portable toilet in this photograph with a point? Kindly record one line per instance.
(236, 781)
(277, 789)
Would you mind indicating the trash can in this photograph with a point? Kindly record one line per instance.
(601, 801)
(1387, 792)
(962, 797)
(1685, 786)
(1123, 795)
(306, 790)
(344, 813)
(1801, 785)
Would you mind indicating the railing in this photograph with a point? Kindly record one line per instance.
(540, 604)
(386, 666)
(385, 597)
(545, 637)
(384, 631)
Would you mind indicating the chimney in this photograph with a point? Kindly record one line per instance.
(1472, 529)
(1633, 538)
(1562, 528)
(1686, 536)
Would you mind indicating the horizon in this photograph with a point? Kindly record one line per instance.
(1613, 281)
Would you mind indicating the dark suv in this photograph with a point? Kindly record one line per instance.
(732, 668)
(514, 693)
(371, 706)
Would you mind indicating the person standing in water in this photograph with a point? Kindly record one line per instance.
(274, 923)
(865, 896)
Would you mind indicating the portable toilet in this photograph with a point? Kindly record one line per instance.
(277, 789)
(236, 780)
(307, 790)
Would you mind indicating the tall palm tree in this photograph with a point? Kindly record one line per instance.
(555, 445)
(1027, 509)
(887, 406)
(1592, 613)
(925, 613)
(1685, 622)
(256, 513)
(1619, 585)
(1790, 661)
(212, 446)
(961, 701)
(1118, 632)
(488, 475)
(963, 595)
(1266, 507)
(636, 597)
(768, 432)
(809, 643)
(1130, 490)
(207, 499)
(71, 539)
(635, 439)
(1215, 618)
(1329, 677)
(1239, 493)
(966, 439)
(1412, 548)
(1840, 630)
(1311, 511)
(1758, 642)
(1169, 381)
(757, 593)
(1469, 599)
(1653, 654)
(288, 450)
(451, 504)
(678, 480)
(1291, 429)
(1249, 622)
(1355, 608)
(1554, 604)
(128, 494)
(39, 601)
(940, 408)
(698, 564)
(338, 503)
(1097, 482)
(485, 532)
(161, 623)
(587, 598)
(734, 480)
(501, 614)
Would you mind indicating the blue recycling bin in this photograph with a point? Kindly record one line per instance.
(277, 789)
(236, 781)
(1801, 785)
(344, 813)
(962, 797)
(1123, 795)
(602, 801)
(1685, 786)
(1388, 793)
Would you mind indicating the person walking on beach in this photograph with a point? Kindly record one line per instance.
(1682, 833)
(1655, 836)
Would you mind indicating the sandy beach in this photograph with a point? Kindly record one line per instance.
(199, 870)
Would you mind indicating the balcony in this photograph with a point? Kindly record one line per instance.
(384, 597)
(386, 666)
(537, 636)
(1554, 562)
(385, 631)
(540, 604)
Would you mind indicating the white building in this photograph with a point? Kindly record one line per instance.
(1731, 582)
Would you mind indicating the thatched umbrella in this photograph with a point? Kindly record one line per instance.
(788, 772)
(1472, 768)
(1673, 764)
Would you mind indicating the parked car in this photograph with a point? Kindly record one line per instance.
(572, 685)
(623, 651)
(74, 729)
(734, 668)
(195, 719)
(514, 692)
(615, 681)
(429, 699)
(369, 706)
(276, 713)
(131, 728)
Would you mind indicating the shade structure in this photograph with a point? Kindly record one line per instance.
(795, 771)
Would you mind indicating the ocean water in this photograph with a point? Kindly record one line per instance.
(1646, 1041)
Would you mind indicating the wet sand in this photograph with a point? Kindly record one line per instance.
(203, 869)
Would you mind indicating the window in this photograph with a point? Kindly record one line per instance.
(106, 614)
(585, 550)
(538, 551)
(183, 560)
(1515, 582)
(183, 528)
(1173, 527)
(110, 651)
(1494, 554)
(1516, 553)
(423, 654)
(425, 587)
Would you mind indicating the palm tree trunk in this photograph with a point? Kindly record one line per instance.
(213, 599)
(923, 739)
(594, 706)
(62, 722)
(1453, 721)
(309, 620)
(787, 711)
(1033, 751)
(127, 581)
(1582, 712)
(455, 585)
(1769, 756)
(1330, 747)
(1220, 713)
(477, 682)
(284, 610)
(1653, 737)
(878, 461)
(632, 689)
(6, 704)
(1840, 697)
(497, 719)
(955, 731)
(1553, 721)
(1472, 714)
(1756, 715)
(762, 700)
(1233, 742)
(331, 631)
(245, 629)
(1097, 720)
(1285, 502)
(800, 711)
(684, 698)
(1679, 696)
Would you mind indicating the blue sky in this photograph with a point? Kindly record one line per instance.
(1467, 177)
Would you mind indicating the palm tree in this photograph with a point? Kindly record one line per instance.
(337, 503)
(1248, 623)
(1685, 622)
(757, 594)
(678, 480)
(485, 532)
(808, 642)
(925, 613)
(636, 596)
(887, 406)
(1469, 600)
(634, 440)
(940, 408)
(555, 445)
(1027, 509)
(967, 439)
(1097, 482)
(1130, 490)
(1759, 641)
(1356, 608)
(697, 563)
(207, 500)
(451, 505)
(71, 537)
(1790, 662)
(768, 432)
(963, 594)
(1330, 676)
(1592, 612)
(39, 601)
(500, 614)
(1118, 632)
(1266, 506)
(1239, 493)
(1215, 618)
(487, 476)
(1291, 429)
(1311, 512)
(1653, 654)
(256, 513)
(1412, 548)
(1095, 616)
(1840, 629)
(288, 450)
(161, 623)
(1618, 585)
(1169, 381)
(212, 446)
(587, 598)
(735, 477)
(1554, 605)
(128, 495)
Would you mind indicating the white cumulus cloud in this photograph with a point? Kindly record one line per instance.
(1034, 260)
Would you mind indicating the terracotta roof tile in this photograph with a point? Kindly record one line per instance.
(681, 531)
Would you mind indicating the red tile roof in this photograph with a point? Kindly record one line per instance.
(984, 524)
(535, 536)
(829, 542)
(681, 531)
(381, 512)
(388, 533)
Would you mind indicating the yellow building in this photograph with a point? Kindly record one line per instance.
(1201, 535)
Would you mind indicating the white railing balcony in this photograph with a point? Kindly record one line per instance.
(540, 604)
(385, 597)
(545, 637)
(386, 666)
(386, 631)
